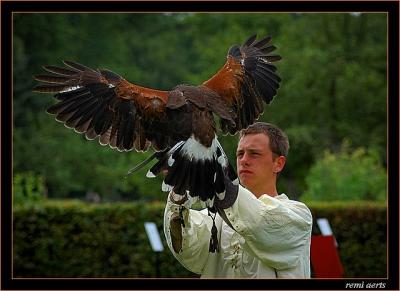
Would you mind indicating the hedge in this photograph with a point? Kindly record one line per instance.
(360, 228)
(76, 239)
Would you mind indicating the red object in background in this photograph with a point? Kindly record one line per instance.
(325, 257)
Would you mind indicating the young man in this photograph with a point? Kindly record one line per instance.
(262, 235)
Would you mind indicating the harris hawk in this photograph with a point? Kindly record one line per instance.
(178, 124)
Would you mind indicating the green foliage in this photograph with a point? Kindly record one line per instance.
(360, 228)
(28, 187)
(347, 175)
(333, 85)
(74, 239)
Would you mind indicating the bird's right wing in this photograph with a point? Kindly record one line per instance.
(247, 79)
(100, 103)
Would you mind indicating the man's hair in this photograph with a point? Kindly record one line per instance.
(278, 140)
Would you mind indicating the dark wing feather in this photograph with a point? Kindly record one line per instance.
(250, 40)
(247, 79)
(100, 103)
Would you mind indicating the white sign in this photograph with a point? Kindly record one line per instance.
(325, 228)
(154, 236)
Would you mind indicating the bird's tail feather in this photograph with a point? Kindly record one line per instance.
(196, 170)
(158, 155)
(199, 172)
(163, 160)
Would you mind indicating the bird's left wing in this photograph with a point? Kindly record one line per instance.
(247, 79)
(100, 103)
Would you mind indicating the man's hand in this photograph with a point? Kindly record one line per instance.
(177, 199)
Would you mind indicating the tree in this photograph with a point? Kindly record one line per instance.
(333, 86)
(347, 175)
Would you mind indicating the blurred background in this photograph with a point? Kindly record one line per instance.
(74, 213)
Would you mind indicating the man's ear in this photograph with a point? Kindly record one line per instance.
(279, 164)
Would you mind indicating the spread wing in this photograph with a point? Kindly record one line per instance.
(247, 79)
(100, 103)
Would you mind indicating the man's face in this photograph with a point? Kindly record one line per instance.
(256, 164)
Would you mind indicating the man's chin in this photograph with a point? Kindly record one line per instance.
(245, 182)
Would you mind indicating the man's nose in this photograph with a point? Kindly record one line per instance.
(244, 161)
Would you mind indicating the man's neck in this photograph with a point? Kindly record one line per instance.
(269, 190)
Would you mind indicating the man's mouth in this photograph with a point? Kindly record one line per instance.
(245, 172)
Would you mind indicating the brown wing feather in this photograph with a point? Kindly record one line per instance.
(227, 81)
(100, 103)
(246, 80)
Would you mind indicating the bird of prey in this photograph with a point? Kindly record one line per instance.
(179, 124)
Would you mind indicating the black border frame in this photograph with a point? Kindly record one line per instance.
(8, 7)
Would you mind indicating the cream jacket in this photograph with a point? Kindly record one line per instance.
(271, 238)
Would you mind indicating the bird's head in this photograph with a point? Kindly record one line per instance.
(234, 52)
